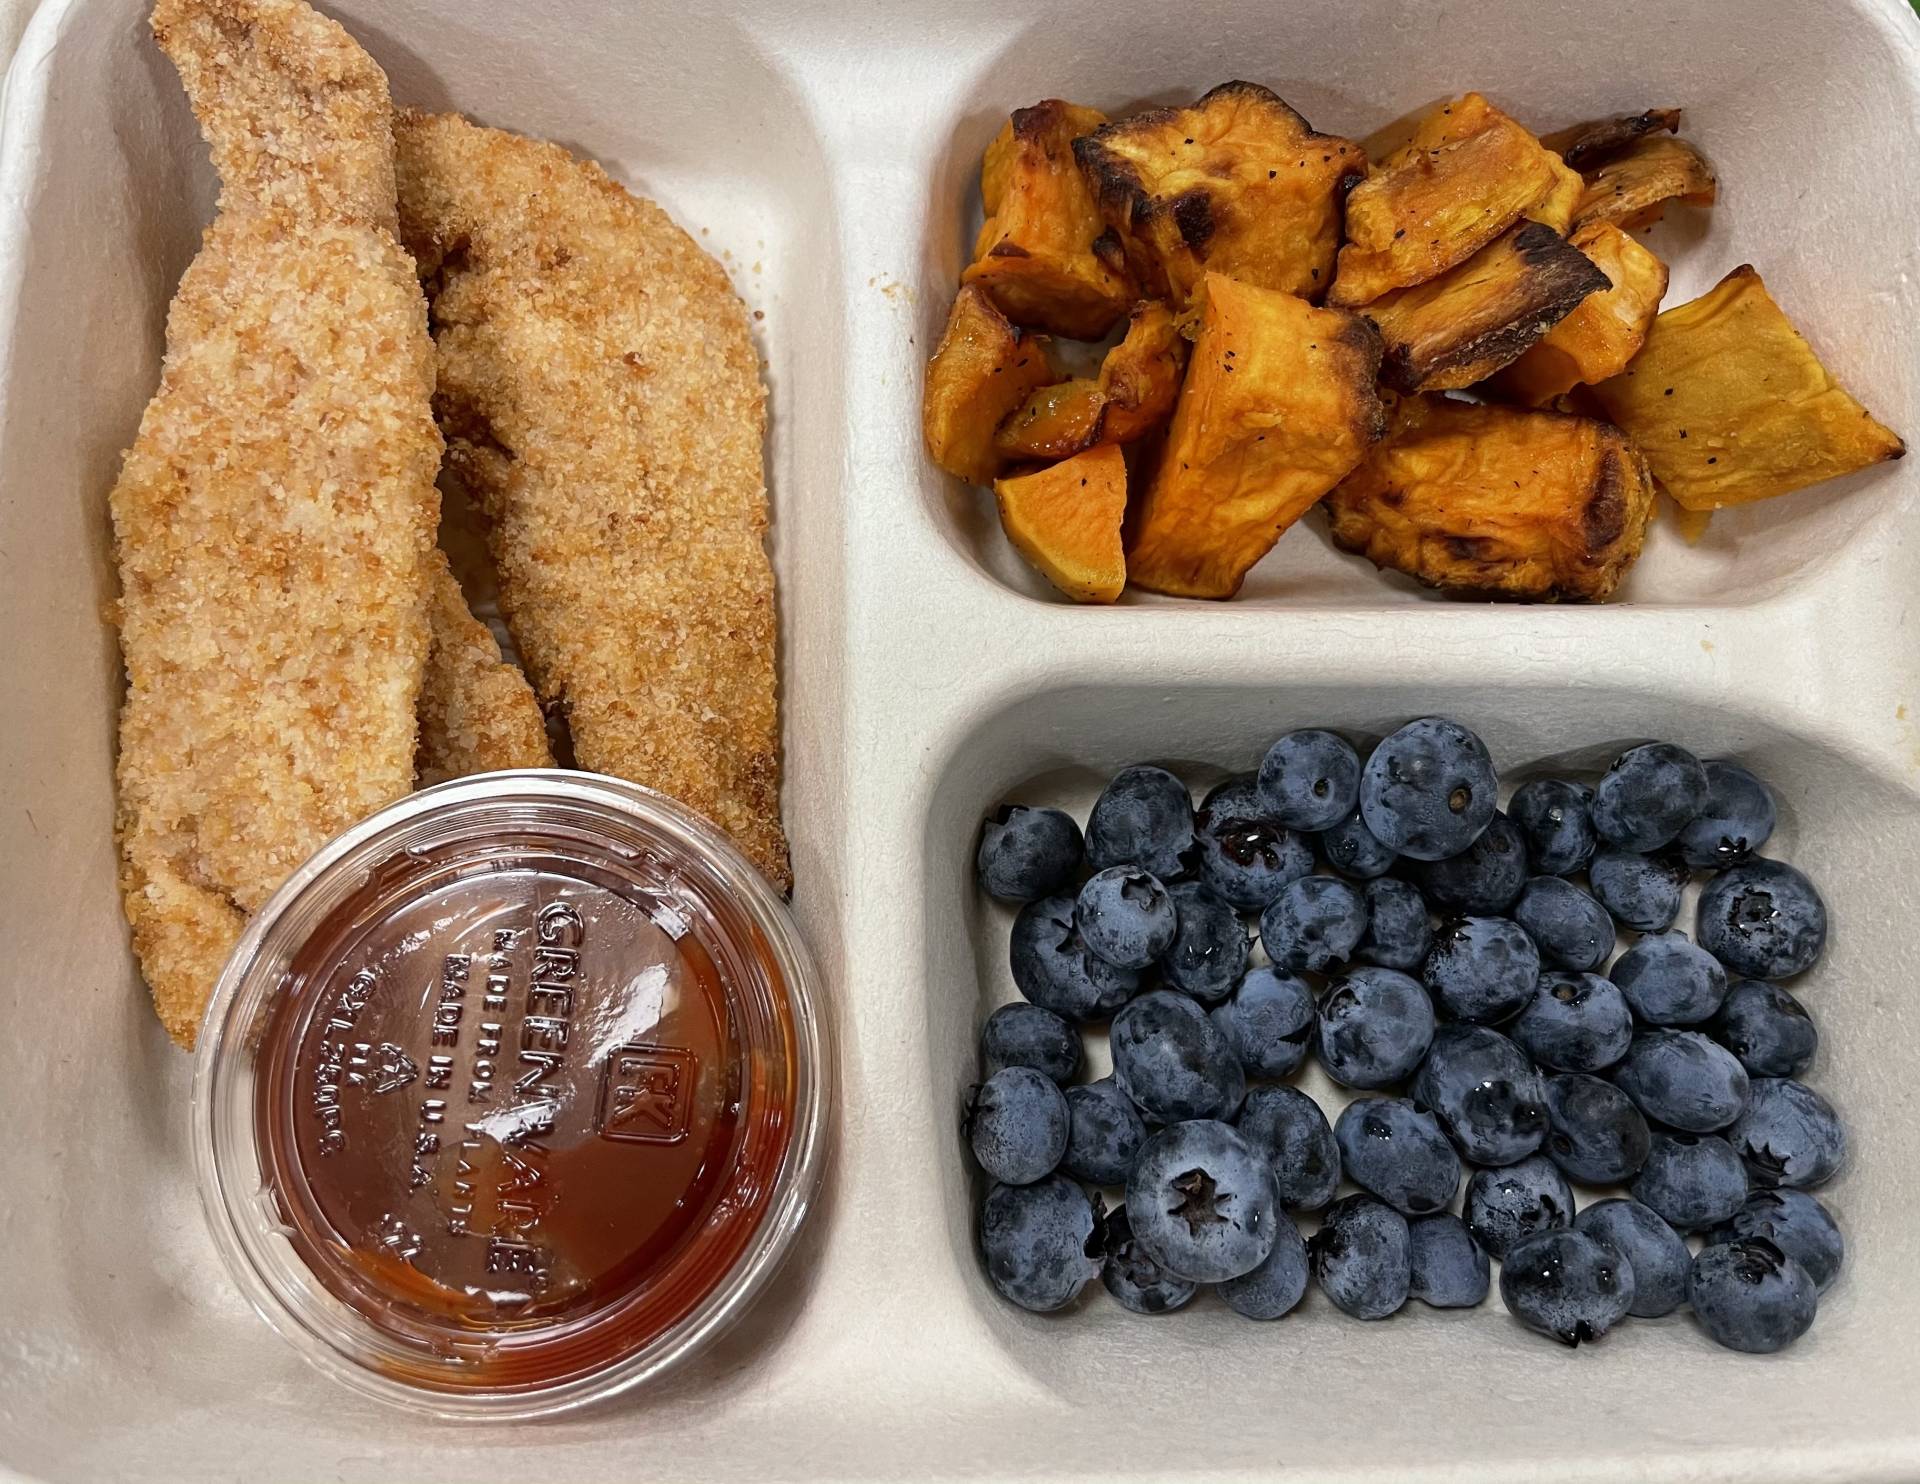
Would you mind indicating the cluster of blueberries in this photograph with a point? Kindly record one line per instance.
(1672, 1074)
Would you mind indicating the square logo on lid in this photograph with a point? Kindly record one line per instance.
(646, 1094)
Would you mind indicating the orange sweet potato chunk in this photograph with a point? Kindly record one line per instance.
(983, 369)
(1632, 188)
(1588, 144)
(1065, 519)
(1603, 331)
(1133, 396)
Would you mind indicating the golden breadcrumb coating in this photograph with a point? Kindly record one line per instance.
(477, 712)
(273, 518)
(600, 395)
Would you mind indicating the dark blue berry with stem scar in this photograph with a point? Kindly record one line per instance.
(1594, 1132)
(1027, 853)
(1125, 916)
(1314, 924)
(1566, 1284)
(1021, 1035)
(1275, 1287)
(1392, 1150)
(1736, 819)
(1648, 796)
(1670, 981)
(1375, 1026)
(1794, 1222)
(1482, 969)
(1656, 1252)
(1310, 779)
(1574, 1023)
(1398, 935)
(1504, 1205)
(1684, 1080)
(1692, 1180)
(1570, 928)
(1749, 1295)
(1555, 818)
(1289, 1128)
(1104, 1133)
(1429, 789)
(1017, 1123)
(1788, 1135)
(1351, 849)
(1484, 879)
(1173, 1063)
(1041, 1242)
(1201, 1202)
(1052, 968)
(1767, 1028)
(1363, 1257)
(1642, 891)
(1449, 1267)
(1144, 818)
(1240, 850)
(1135, 1280)
(1268, 1022)
(1209, 949)
(1485, 1093)
(1763, 920)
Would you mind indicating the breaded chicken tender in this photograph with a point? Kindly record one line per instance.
(477, 712)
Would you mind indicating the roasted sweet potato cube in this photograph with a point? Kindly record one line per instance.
(1035, 253)
(1467, 174)
(1056, 422)
(1498, 501)
(983, 369)
(1065, 519)
(1236, 184)
(1632, 189)
(1133, 396)
(1731, 404)
(1585, 145)
(1603, 332)
(1279, 404)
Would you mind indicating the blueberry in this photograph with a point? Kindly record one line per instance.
(1571, 929)
(1017, 1123)
(1240, 850)
(1767, 1028)
(1363, 1257)
(1104, 1133)
(1429, 789)
(1290, 1129)
(1794, 1222)
(1039, 1241)
(1788, 1135)
(1648, 796)
(1052, 968)
(1126, 917)
(1642, 891)
(1209, 949)
(1656, 1252)
(1566, 1284)
(1375, 1026)
(1392, 1150)
(1749, 1295)
(1316, 923)
(1449, 1267)
(1484, 879)
(1352, 850)
(1505, 1205)
(1485, 1092)
(1684, 1080)
(1170, 1060)
(1763, 920)
(1691, 1180)
(1595, 1134)
(1310, 779)
(1027, 853)
(1277, 1285)
(1574, 1023)
(1143, 818)
(1669, 981)
(1269, 1022)
(1736, 819)
(1135, 1280)
(1482, 969)
(1020, 1035)
(1202, 1202)
(1398, 935)
(1555, 818)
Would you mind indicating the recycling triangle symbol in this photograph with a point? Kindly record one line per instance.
(382, 1068)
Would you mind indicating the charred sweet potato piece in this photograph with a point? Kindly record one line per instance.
(982, 370)
(1238, 184)
(1632, 189)
(1603, 332)
(1134, 394)
(1065, 519)
(1731, 404)
(1279, 404)
(1585, 145)
(1484, 314)
(1035, 253)
(1497, 501)
(1056, 422)
(1467, 174)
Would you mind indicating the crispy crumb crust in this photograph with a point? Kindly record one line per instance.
(477, 712)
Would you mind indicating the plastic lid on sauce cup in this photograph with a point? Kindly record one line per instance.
(513, 1096)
